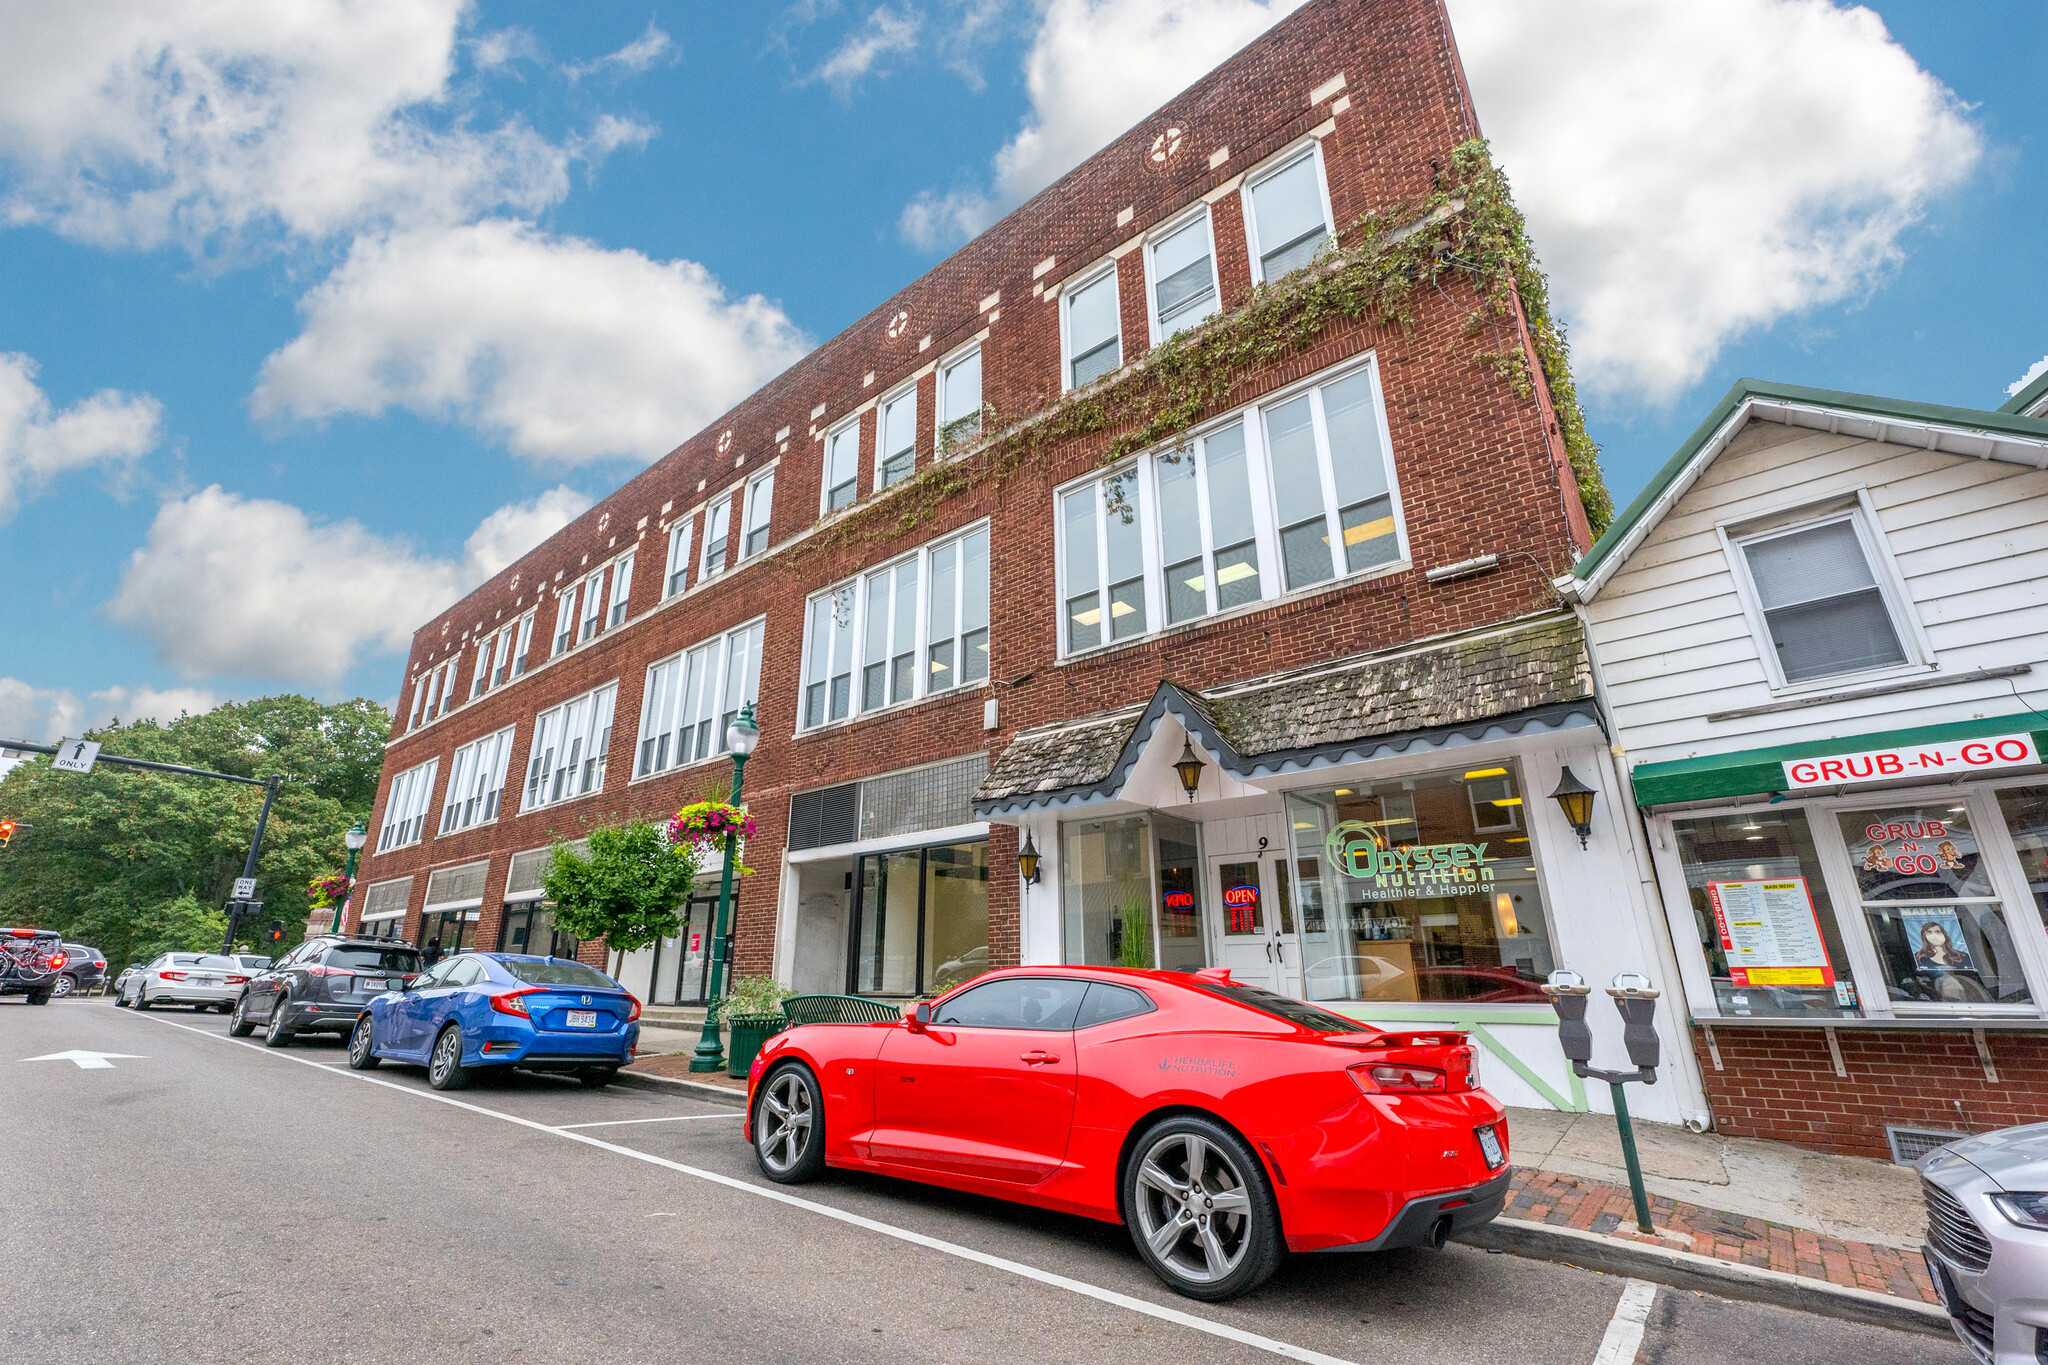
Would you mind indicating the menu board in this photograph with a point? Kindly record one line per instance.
(1770, 933)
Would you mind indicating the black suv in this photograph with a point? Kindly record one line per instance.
(84, 968)
(31, 961)
(321, 986)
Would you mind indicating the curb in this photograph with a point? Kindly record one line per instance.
(716, 1094)
(1692, 1271)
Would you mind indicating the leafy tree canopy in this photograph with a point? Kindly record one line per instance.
(626, 890)
(134, 862)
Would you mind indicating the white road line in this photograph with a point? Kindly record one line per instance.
(1625, 1332)
(1286, 1350)
(620, 1123)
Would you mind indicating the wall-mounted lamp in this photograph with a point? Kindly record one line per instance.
(1575, 799)
(1189, 765)
(1027, 860)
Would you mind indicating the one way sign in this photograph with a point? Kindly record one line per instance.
(76, 756)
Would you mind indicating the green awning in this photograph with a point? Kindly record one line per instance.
(1760, 772)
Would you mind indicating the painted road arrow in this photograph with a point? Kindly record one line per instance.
(88, 1061)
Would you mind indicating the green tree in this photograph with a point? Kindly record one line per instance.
(626, 890)
(115, 855)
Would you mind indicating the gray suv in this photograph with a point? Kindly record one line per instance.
(1987, 1240)
(321, 986)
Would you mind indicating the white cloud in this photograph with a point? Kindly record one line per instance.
(887, 31)
(140, 122)
(1095, 68)
(639, 55)
(37, 442)
(1692, 173)
(44, 715)
(564, 349)
(254, 588)
(2034, 371)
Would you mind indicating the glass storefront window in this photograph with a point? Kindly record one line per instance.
(920, 919)
(1939, 926)
(1418, 889)
(1760, 905)
(2026, 815)
(1182, 945)
(1106, 882)
(955, 914)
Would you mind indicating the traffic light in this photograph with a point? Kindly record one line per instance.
(6, 832)
(276, 935)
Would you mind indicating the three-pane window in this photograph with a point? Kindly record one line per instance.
(1093, 334)
(570, 743)
(896, 439)
(1822, 606)
(694, 695)
(1182, 270)
(960, 401)
(717, 527)
(1286, 215)
(622, 588)
(678, 558)
(476, 781)
(842, 466)
(405, 809)
(760, 509)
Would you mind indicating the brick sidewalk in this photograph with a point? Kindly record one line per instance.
(1568, 1201)
(676, 1066)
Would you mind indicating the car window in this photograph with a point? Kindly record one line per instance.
(556, 972)
(1106, 1003)
(364, 957)
(1033, 1002)
(179, 959)
(467, 971)
(435, 975)
(1283, 1007)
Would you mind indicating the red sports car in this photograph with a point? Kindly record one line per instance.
(1222, 1123)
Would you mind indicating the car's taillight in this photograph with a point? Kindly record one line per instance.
(509, 1002)
(636, 1008)
(57, 960)
(237, 980)
(1380, 1077)
(318, 970)
(170, 976)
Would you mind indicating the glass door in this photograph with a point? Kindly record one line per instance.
(1250, 940)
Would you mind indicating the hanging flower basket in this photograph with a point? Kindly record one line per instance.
(322, 892)
(708, 822)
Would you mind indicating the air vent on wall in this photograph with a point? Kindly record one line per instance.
(1910, 1144)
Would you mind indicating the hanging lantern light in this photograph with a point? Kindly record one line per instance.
(1027, 860)
(1575, 799)
(1189, 765)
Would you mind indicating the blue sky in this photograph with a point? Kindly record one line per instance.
(288, 360)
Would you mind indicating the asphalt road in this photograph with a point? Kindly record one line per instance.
(206, 1199)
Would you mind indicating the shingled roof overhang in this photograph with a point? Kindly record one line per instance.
(1529, 677)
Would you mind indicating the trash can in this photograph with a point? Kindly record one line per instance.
(749, 1031)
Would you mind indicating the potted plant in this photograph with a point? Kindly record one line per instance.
(753, 1012)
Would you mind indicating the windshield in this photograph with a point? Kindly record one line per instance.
(555, 972)
(364, 958)
(1293, 1011)
(211, 960)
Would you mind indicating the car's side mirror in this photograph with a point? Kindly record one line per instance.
(921, 1017)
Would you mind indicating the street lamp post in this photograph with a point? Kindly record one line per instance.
(741, 736)
(354, 839)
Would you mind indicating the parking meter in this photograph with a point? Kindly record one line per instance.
(1636, 999)
(1569, 995)
(1638, 1006)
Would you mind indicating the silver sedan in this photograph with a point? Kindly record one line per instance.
(201, 980)
(1987, 1240)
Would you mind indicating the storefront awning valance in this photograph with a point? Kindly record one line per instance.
(1927, 752)
(1475, 686)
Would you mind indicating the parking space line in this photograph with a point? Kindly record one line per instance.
(1625, 1332)
(620, 1123)
(1130, 1303)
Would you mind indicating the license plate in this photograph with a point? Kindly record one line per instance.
(1936, 1273)
(375, 986)
(1489, 1146)
(206, 981)
(582, 1018)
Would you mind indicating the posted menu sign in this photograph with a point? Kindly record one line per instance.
(1770, 933)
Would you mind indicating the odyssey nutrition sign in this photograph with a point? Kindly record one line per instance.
(1920, 760)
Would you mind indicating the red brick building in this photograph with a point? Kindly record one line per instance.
(963, 625)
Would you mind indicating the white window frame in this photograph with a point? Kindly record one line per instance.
(447, 687)
(1311, 147)
(675, 579)
(1158, 234)
(476, 782)
(757, 517)
(849, 427)
(565, 620)
(720, 511)
(920, 645)
(419, 698)
(622, 591)
(664, 718)
(946, 366)
(1068, 292)
(906, 394)
(1861, 514)
(570, 749)
(405, 809)
(1272, 571)
(480, 676)
(592, 623)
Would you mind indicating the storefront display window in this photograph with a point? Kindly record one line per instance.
(1181, 942)
(1106, 891)
(1761, 908)
(1926, 892)
(1418, 889)
(955, 914)
(920, 919)
(2026, 815)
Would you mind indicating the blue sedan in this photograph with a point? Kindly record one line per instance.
(501, 1009)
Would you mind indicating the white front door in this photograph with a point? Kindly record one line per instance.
(1256, 907)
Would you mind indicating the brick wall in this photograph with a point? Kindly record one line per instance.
(1781, 1084)
(1474, 462)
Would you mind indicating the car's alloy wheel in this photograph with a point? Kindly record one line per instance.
(142, 997)
(788, 1137)
(277, 1035)
(63, 986)
(445, 1070)
(361, 1045)
(238, 1023)
(1200, 1210)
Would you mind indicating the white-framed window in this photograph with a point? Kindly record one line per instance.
(1091, 329)
(896, 437)
(841, 483)
(692, 696)
(1180, 274)
(593, 607)
(1823, 598)
(565, 620)
(570, 743)
(480, 676)
(419, 699)
(513, 642)
(959, 401)
(760, 511)
(717, 530)
(622, 588)
(405, 810)
(678, 575)
(1278, 497)
(441, 698)
(930, 605)
(476, 782)
(1287, 214)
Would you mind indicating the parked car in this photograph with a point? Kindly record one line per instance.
(84, 968)
(205, 981)
(478, 1010)
(321, 986)
(1223, 1124)
(1987, 1240)
(31, 963)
